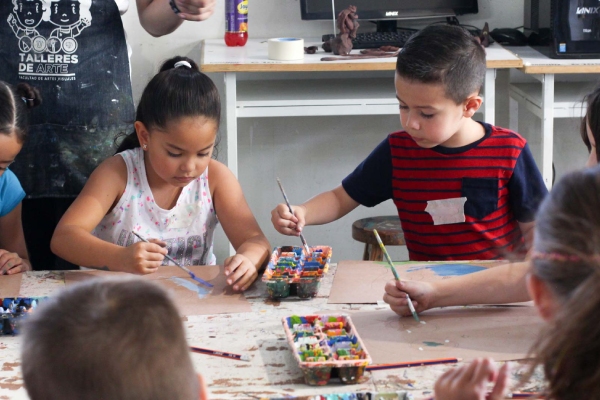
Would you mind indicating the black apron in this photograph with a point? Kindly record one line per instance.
(74, 52)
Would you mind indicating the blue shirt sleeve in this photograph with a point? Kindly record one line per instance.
(371, 182)
(11, 192)
(526, 188)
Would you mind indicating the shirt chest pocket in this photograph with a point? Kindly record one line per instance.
(482, 196)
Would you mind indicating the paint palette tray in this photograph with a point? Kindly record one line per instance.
(13, 311)
(326, 346)
(292, 271)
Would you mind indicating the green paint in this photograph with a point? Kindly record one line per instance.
(433, 344)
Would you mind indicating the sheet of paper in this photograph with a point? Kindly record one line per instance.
(10, 285)
(190, 297)
(363, 282)
(500, 332)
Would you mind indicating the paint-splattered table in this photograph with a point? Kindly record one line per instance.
(271, 371)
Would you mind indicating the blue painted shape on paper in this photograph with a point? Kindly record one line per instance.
(449, 269)
(194, 287)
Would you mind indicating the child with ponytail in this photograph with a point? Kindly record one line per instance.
(564, 283)
(14, 103)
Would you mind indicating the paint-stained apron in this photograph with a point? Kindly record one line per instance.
(74, 52)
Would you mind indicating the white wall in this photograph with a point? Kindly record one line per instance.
(313, 154)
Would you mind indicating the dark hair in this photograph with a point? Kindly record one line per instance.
(174, 93)
(15, 102)
(447, 55)
(567, 244)
(592, 117)
(108, 339)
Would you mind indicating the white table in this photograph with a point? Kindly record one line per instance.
(271, 96)
(551, 100)
(272, 370)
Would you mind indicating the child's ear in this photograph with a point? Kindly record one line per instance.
(142, 133)
(203, 395)
(542, 297)
(471, 105)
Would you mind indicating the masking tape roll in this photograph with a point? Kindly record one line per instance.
(286, 49)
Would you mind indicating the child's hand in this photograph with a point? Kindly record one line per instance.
(143, 257)
(240, 272)
(469, 382)
(11, 263)
(287, 223)
(421, 294)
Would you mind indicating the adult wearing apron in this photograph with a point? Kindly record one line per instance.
(75, 53)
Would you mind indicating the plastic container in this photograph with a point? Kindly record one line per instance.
(14, 310)
(291, 272)
(236, 22)
(326, 346)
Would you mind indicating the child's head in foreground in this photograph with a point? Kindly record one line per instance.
(439, 73)
(108, 339)
(564, 282)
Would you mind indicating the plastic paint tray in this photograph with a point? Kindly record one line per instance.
(290, 271)
(13, 312)
(326, 345)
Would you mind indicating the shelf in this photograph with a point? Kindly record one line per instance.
(568, 98)
(315, 97)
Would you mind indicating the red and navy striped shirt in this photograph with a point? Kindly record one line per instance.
(496, 174)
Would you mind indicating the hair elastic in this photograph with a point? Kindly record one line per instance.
(183, 64)
(561, 257)
(174, 7)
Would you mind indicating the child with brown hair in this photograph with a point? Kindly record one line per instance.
(108, 339)
(503, 284)
(564, 282)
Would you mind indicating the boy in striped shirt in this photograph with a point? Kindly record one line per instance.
(464, 190)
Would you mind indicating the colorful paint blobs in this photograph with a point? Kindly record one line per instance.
(194, 287)
(13, 310)
(291, 269)
(449, 269)
(323, 342)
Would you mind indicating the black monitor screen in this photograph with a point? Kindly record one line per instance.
(389, 9)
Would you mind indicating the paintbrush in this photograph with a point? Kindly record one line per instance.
(306, 248)
(168, 257)
(241, 357)
(396, 276)
(378, 367)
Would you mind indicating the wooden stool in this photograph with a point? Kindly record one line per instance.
(389, 231)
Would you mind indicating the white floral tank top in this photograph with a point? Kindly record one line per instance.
(188, 228)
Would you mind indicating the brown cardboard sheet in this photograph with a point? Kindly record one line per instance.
(363, 282)
(10, 285)
(501, 332)
(190, 297)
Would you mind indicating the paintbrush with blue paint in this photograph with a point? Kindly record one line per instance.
(389, 261)
(168, 257)
(306, 248)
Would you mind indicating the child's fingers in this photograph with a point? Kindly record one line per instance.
(158, 242)
(9, 261)
(500, 387)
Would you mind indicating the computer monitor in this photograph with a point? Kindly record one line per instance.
(392, 10)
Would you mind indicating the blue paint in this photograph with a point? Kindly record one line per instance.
(449, 269)
(194, 287)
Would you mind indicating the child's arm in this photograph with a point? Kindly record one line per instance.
(321, 209)
(251, 246)
(73, 240)
(527, 229)
(470, 382)
(497, 285)
(13, 252)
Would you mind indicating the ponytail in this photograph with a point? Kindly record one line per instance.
(178, 90)
(14, 104)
